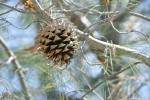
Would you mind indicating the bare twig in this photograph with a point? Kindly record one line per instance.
(136, 90)
(6, 12)
(9, 10)
(85, 9)
(16, 9)
(8, 61)
(93, 88)
(128, 32)
(92, 64)
(115, 91)
(111, 22)
(90, 87)
(140, 16)
(48, 7)
(3, 19)
(98, 45)
(143, 35)
(17, 66)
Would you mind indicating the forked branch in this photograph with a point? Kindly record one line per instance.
(18, 67)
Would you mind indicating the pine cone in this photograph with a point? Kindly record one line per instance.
(106, 2)
(28, 5)
(58, 42)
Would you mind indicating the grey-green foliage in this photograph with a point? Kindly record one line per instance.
(73, 82)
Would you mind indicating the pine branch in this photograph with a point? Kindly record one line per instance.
(101, 45)
(118, 50)
(18, 67)
(17, 9)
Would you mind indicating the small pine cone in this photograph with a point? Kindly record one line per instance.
(106, 2)
(28, 5)
(58, 42)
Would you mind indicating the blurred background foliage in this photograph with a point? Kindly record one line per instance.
(46, 82)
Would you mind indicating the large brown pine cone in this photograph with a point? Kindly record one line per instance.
(58, 42)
